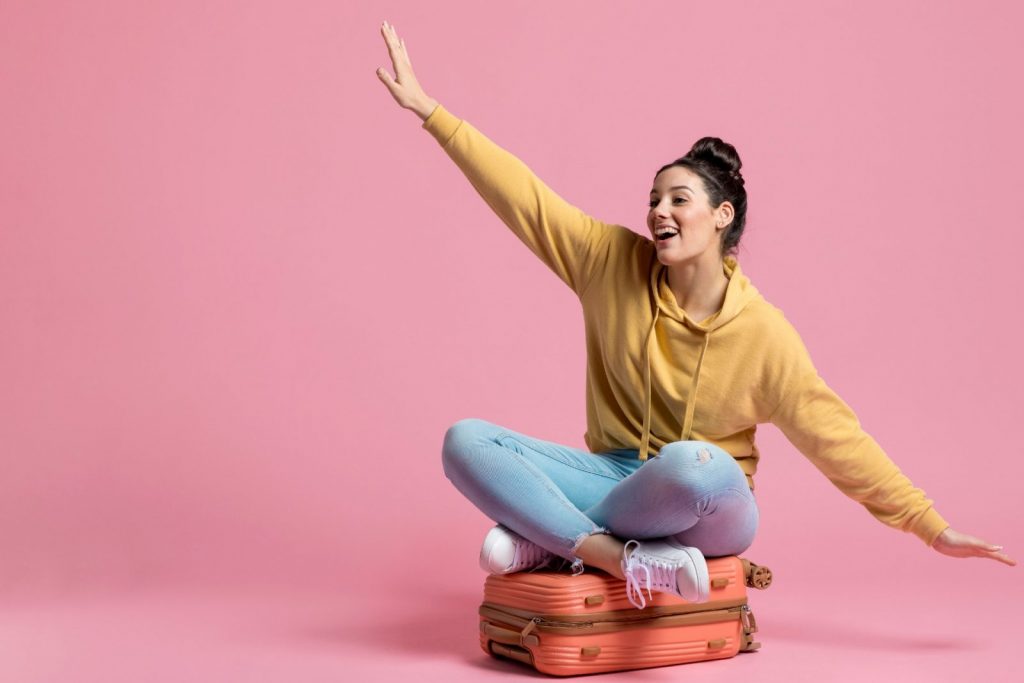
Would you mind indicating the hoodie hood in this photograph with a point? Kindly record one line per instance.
(738, 293)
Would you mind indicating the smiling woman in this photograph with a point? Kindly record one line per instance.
(684, 359)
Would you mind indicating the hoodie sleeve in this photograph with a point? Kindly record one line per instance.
(828, 433)
(567, 240)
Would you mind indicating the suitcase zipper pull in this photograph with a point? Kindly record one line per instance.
(526, 631)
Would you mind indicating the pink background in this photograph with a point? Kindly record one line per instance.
(244, 295)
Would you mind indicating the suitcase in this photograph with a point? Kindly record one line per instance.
(567, 625)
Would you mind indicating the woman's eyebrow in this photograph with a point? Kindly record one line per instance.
(674, 187)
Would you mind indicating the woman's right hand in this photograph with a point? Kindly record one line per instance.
(403, 87)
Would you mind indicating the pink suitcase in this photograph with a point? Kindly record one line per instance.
(567, 625)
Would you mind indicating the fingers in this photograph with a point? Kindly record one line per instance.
(1005, 560)
(389, 41)
(1000, 557)
(982, 548)
(392, 82)
(383, 74)
(994, 552)
(396, 50)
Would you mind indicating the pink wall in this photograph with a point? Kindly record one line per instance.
(243, 294)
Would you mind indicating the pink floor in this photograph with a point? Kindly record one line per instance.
(828, 634)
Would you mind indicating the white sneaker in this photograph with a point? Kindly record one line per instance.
(505, 551)
(667, 567)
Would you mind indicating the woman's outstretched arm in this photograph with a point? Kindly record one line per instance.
(826, 430)
(569, 242)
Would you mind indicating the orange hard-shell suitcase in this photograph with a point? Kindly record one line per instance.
(566, 625)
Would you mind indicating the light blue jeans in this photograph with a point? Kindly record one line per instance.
(556, 496)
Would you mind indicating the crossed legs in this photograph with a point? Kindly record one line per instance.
(580, 505)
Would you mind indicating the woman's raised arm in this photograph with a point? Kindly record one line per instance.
(571, 243)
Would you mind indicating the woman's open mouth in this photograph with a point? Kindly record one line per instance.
(665, 236)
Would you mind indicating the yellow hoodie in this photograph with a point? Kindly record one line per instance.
(655, 375)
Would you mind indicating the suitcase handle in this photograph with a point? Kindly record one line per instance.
(510, 651)
(508, 636)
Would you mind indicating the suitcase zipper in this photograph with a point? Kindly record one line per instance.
(542, 624)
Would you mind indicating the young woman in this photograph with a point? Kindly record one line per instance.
(684, 359)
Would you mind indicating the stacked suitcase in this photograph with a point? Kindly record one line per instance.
(566, 625)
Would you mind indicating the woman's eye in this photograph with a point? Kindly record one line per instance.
(655, 201)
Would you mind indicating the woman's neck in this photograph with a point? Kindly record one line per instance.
(699, 287)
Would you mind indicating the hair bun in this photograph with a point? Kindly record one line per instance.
(717, 152)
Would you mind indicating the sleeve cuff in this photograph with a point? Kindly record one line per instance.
(930, 527)
(442, 124)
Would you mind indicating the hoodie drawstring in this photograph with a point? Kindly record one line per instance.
(691, 402)
(646, 440)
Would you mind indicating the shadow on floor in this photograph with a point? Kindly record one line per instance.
(427, 623)
(863, 636)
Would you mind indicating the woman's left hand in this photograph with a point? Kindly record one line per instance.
(956, 544)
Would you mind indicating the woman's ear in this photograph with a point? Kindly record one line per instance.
(723, 215)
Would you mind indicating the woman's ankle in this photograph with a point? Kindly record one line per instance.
(604, 551)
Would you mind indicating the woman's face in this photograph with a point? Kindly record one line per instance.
(679, 205)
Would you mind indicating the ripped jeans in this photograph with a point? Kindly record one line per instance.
(556, 496)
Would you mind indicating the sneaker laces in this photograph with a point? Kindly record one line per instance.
(657, 574)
